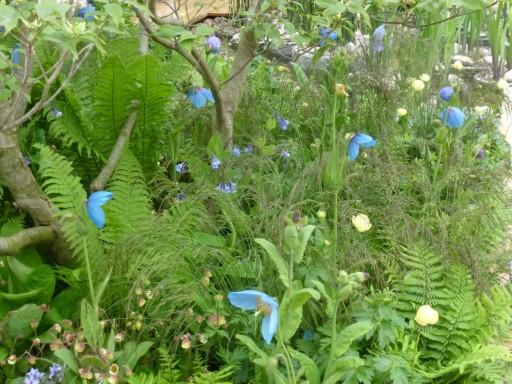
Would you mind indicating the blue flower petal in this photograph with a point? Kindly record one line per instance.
(446, 93)
(269, 325)
(353, 150)
(94, 203)
(207, 94)
(244, 299)
(213, 44)
(378, 38)
(87, 12)
(364, 140)
(452, 117)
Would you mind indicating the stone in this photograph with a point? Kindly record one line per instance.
(465, 60)
(508, 76)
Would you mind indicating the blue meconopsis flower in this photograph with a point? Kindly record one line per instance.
(378, 38)
(263, 303)
(55, 373)
(87, 12)
(236, 151)
(181, 167)
(215, 163)
(357, 141)
(34, 376)
(94, 207)
(282, 123)
(181, 196)
(212, 44)
(446, 93)
(285, 154)
(56, 113)
(452, 117)
(200, 96)
(228, 187)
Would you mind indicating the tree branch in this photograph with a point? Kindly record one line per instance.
(122, 140)
(31, 236)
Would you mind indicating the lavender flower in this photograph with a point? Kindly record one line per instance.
(56, 113)
(212, 44)
(249, 148)
(281, 122)
(34, 376)
(215, 163)
(56, 374)
(228, 187)
(236, 151)
(181, 167)
(285, 154)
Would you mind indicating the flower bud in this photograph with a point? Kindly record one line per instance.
(361, 222)
(79, 347)
(31, 359)
(425, 78)
(185, 341)
(57, 328)
(119, 337)
(426, 315)
(85, 373)
(36, 342)
(457, 65)
(401, 112)
(321, 214)
(418, 85)
(11, 360)
(113, 369)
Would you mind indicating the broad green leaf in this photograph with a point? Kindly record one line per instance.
(90, 324)
(132, 353)
(4, 352)
(204, 30)
(19, 298)
(43, 279)
(279, 378)
(8, 17)
(300, 75)
(275, 256)
(290, 312)
(115, 12)
(249, 343)
(18, 323)
(67, 358)
(310, 369)
(101, 288)
(339, 367)
(45, 9)
(304, 235)
(349, 334)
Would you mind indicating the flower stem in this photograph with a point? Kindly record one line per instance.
(414, 356)
(289, 363)
(334, 153)
(89, 277)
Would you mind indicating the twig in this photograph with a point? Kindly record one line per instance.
(122, 140)
(11, 245)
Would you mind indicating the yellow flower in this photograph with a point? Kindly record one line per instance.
(418, 85)
(425, 78)
(282, 68)
(401, 112)
(481, 110)
(305, 105)
(321, 214)
(426, 315)
(361, 222)
(502, 84)
(327, 242)
(457, 65)
(341, 89)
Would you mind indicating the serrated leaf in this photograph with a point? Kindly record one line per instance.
(337, 369)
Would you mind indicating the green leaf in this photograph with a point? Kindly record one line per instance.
(249, 343)
(46, 8)
(310, 369)
(304, 236)
(67, 358)
(90, 324)
(339, 367)
(18, 323)
(168, 30)
(204, 30)
(349, 334)
(115, 11)
(101, 288)
(276, 258)
(8, 17)
(43, 279)
(300, 75)
(133, 352)
(290, 312)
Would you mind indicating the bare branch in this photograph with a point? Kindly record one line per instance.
(45, 100)
(158, 20)
(31, 236)
(122, 140)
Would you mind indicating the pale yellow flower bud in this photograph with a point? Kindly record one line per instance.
(401, 112)
(426, 315)
(418, 85)
(457, 65)
(425, 78)
(361, 222)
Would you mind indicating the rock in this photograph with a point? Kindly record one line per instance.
(488, 60)
(453, 79)
(305, 61)
(465, 60)
(508, 76)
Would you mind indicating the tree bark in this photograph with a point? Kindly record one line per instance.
(28, 237)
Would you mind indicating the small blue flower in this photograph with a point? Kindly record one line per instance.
(263, 303)
(357, 141)
(16, 54)
(480, 154)
(94, 203)
(324, 31)
(308, 334)
(34, 376)
(200, 96)
(215, 163)
(228, 187)
(87, 12)
(181, 167)
(446, 93)
(56, 374)
(181, 196)
(249, 148)
(285, 154)
(282, 123)
(212, 44)
(56, 113)
(378, 38)
(236, 151)
(452, 117)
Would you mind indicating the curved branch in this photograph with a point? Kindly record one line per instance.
(11, 245)
(122, 140)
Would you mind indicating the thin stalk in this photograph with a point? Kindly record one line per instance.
(333, 332)
(414, 356)
(89, 277)
(334, 153)
(289, 364)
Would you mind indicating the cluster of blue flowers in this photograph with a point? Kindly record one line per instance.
(452, 117)
(54, 376)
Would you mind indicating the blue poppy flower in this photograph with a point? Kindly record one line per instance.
(215, 163)
(357, 141)
(308, 334)
(200, 96)
(56, 113)
(452, 117)
(94, 203)
(16, 54)
(181, 196)
(87, 12)
(236, 151)
(378, 38)
(255, 300)
(228, 187)
(285, 154)
(55, 373)
(212, 44)
(181, 167)
(34, 376)
(282, 123)
(446, 93)
(249, 148)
